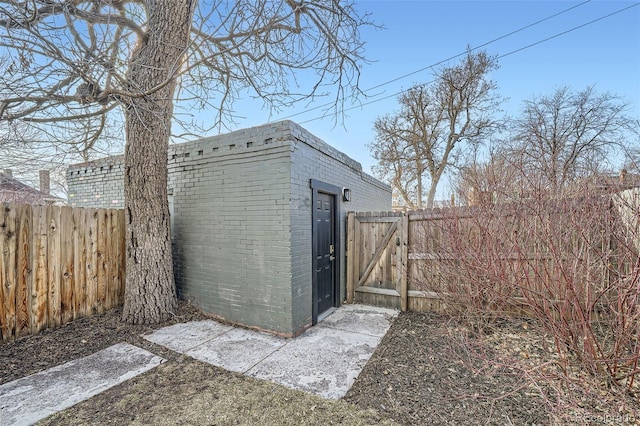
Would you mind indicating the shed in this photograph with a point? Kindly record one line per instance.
(258, 221)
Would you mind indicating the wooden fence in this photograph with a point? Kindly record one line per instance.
(379, 263)
(377, 259)
(58, 264)
(405, 260)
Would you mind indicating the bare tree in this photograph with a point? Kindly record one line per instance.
(25, 150)
(568, 135)
(493, 181)
(399, 162)
(632, 160)
(76, 60)
(435, 122)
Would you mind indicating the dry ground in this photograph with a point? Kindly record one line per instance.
(428, 369)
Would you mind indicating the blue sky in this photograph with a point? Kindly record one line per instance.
(419, 33)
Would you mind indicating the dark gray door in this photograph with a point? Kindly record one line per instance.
(325, 251)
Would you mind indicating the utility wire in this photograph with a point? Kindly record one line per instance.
(569, 30)
(475, 48)
(328, 104)
(498, 57)
(478, 47)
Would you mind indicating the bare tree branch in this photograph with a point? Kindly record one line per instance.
(568, 135)
(434, 123)
(155, 62)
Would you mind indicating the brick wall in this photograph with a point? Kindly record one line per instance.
(241, 210)
(311, 158)
(232, 249)
(98, 183)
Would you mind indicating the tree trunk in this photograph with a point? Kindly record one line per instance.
(435, 179)
(432, 195)
(419, 190)
(150, 294)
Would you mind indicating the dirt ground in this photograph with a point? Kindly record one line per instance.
(429, 369)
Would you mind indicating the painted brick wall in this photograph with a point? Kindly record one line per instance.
(97, 183)
(311, 158)
(241, 210)
(232, 245)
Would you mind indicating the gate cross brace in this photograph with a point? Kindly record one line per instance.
(378, 253)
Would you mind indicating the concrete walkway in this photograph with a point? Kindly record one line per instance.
(325, 360)
(29, 399)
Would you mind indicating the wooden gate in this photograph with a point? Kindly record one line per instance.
(377, 248)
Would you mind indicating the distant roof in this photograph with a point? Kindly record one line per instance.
(14, 191)
(618, 182)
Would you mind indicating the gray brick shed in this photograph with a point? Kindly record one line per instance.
(258, 221)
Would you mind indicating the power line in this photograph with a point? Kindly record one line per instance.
(478, 47)
(444, 60)
(498, 57)
(569, 30)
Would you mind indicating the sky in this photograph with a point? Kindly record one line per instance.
(567, 49)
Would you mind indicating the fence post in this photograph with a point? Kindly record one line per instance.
(404, 287)
(350, 256)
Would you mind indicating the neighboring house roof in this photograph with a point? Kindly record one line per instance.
(16, 192)
(620, 182)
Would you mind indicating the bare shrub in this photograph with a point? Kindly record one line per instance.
(570, 263)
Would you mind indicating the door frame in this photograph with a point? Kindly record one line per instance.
(335, 191)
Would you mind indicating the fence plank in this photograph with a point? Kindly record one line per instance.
(385, 219)
(54, 266)
(40, 296)
(112, 297)
(67, 275)
(4, 296)
(79, 268)
(101, 263)
(377, 290)
(404, 263)
(91, 261)
(114, 256)
(357, 253)
(122, 260)
(24, 277)
(8, 273)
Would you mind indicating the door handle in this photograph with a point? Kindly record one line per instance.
(332, 251)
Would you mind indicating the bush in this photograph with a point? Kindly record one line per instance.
(570, 263)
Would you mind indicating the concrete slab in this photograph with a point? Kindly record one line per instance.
(238, 350)
(323, 361)
(186, 336)
(360, 319)
(29, 399)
